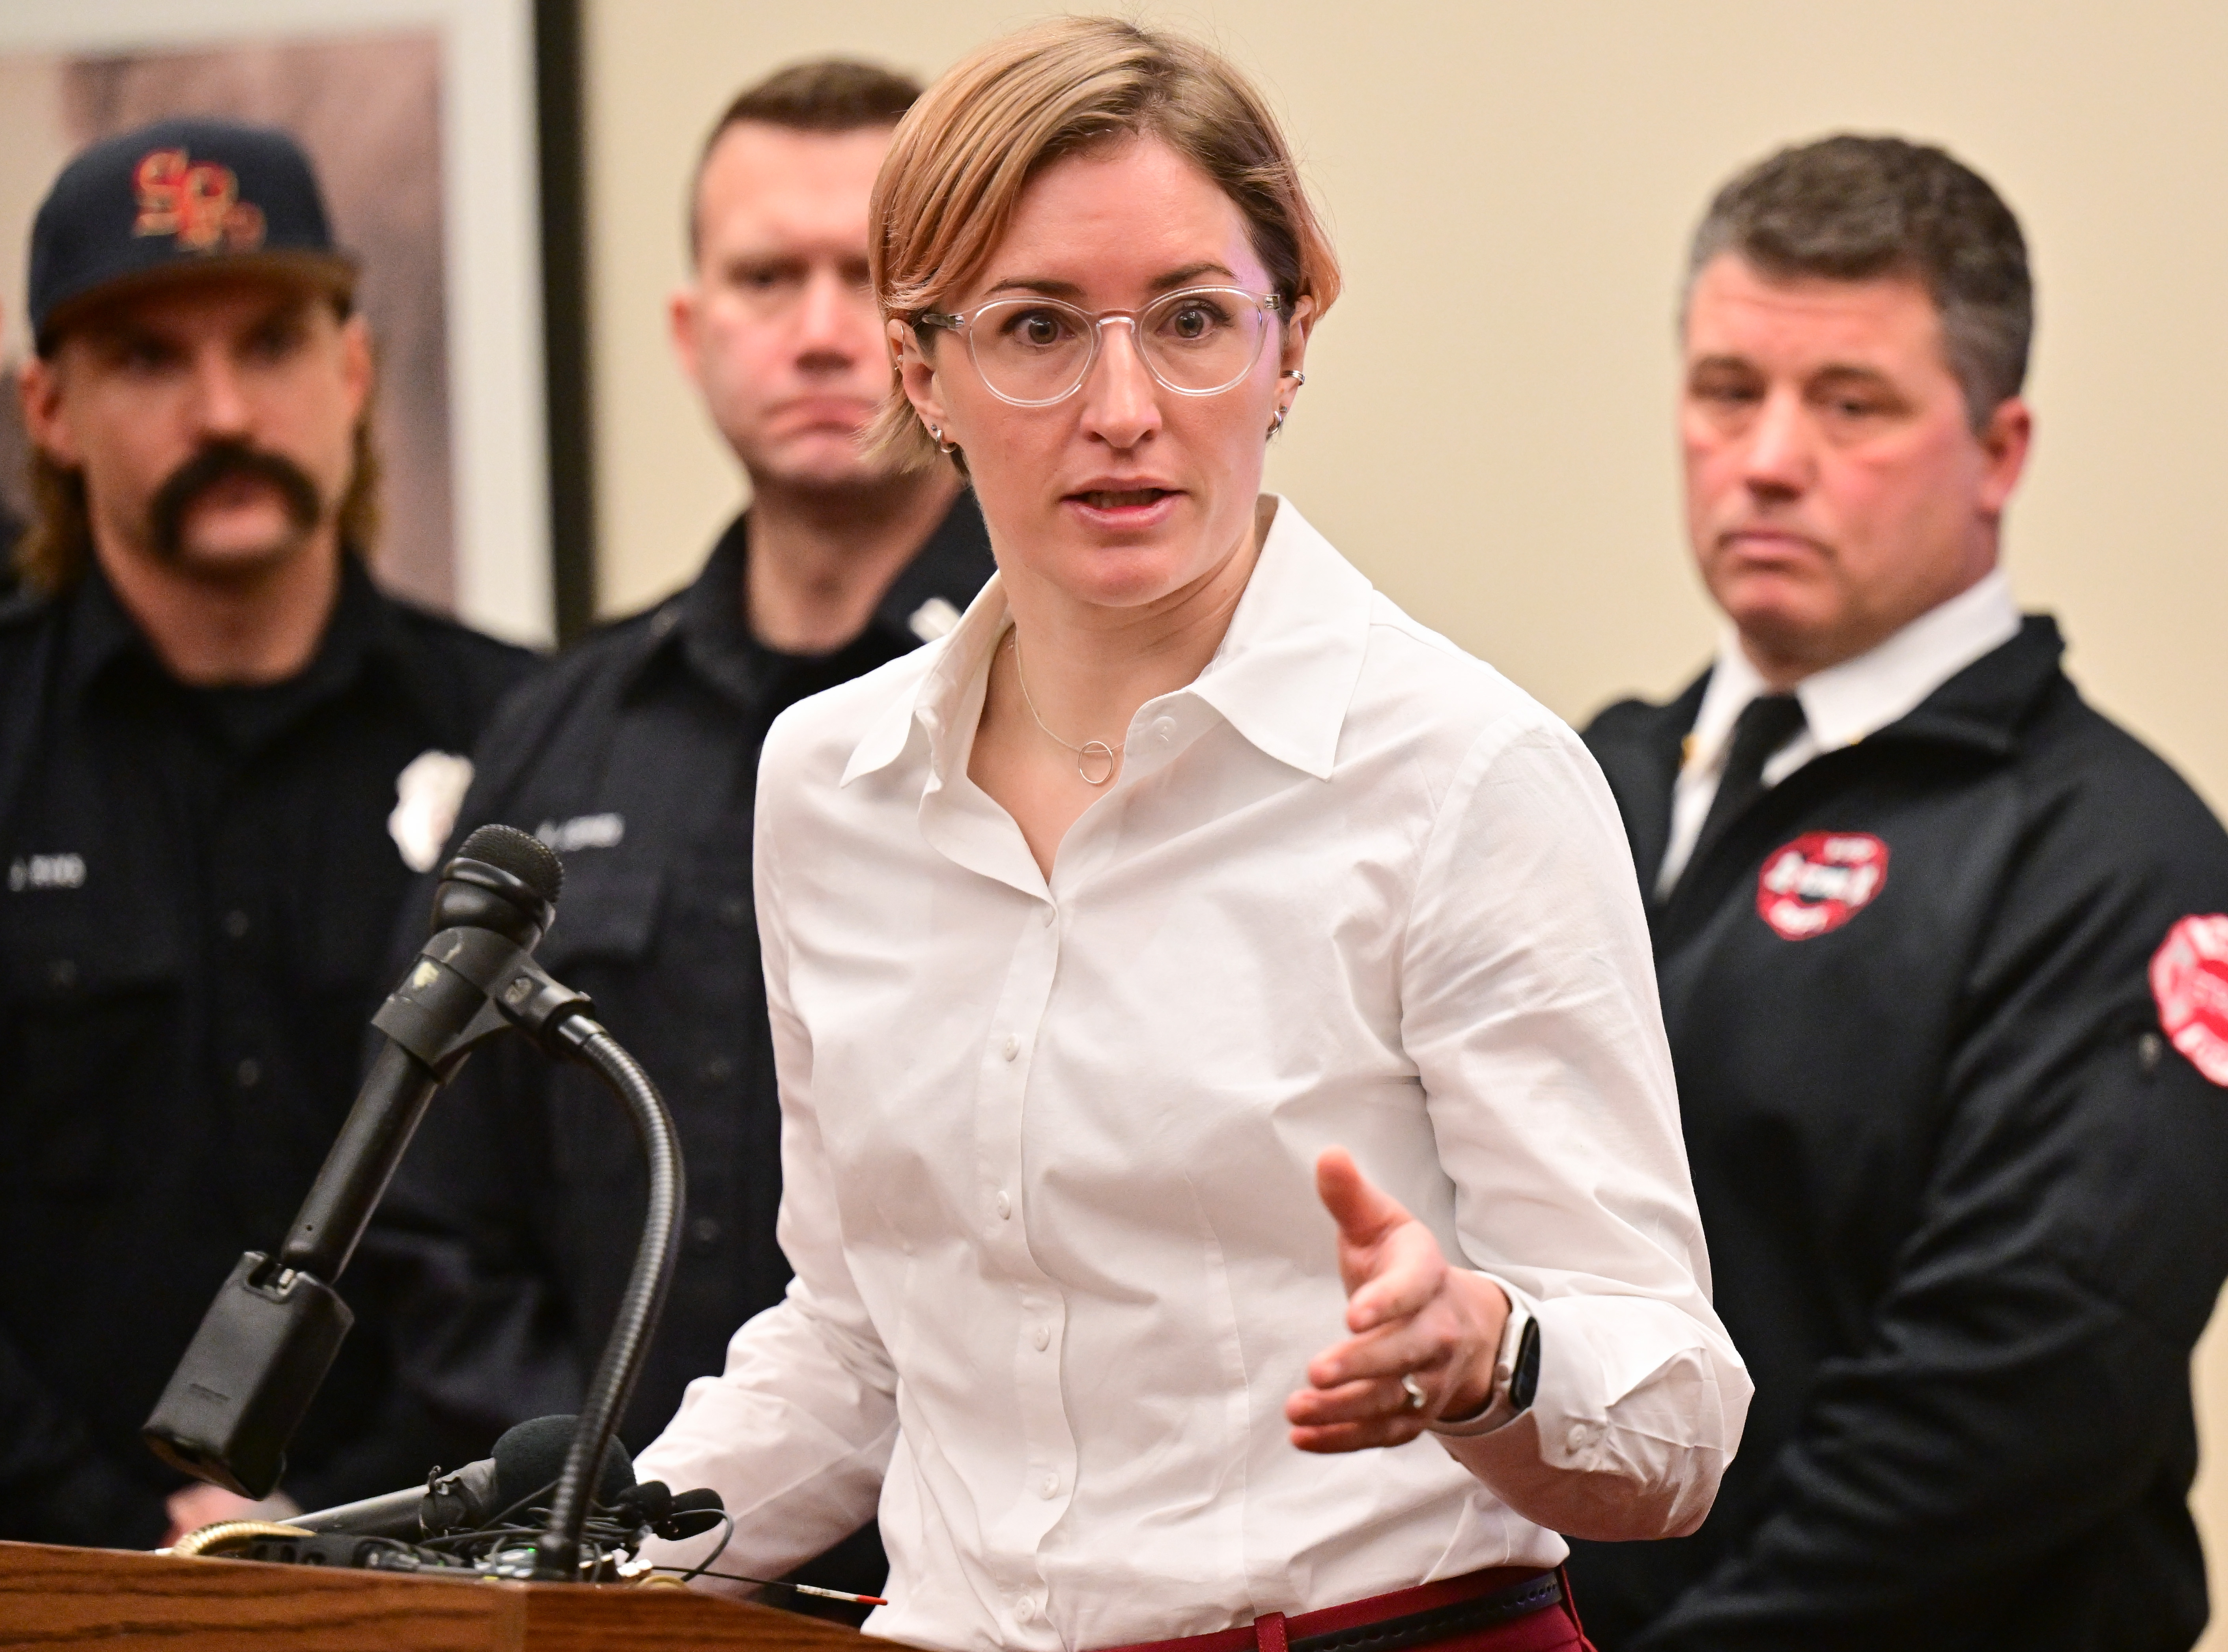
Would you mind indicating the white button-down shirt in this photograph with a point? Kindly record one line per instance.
(1841, 705)
(1049, 1145)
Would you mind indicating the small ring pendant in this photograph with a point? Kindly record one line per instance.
(1094, 761)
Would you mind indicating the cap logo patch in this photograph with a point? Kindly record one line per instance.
(197, 202)
(2189, 978)
(1819, 882)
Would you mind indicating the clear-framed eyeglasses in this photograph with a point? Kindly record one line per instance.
(1033, 352)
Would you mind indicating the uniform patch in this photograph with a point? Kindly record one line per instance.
(2189, 978)
(427, 794)
(1819, 882)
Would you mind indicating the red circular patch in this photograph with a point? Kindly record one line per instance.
(1819, 882)
(2189, 978)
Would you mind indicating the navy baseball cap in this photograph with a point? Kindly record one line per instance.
(177, 198)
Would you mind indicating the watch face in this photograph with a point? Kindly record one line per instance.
(1524, 1378)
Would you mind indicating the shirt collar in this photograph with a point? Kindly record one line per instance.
(102, 634)
(704, 625)
(1282, 676)
(1845, 703)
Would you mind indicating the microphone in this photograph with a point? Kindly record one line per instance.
(267, 1341)
(530, 1457)
(527, 1460)
(692, 1512)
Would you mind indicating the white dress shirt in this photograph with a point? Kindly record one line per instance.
(1048, 1146)
(1841, 705)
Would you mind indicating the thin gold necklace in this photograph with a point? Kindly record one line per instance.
(1089, 755)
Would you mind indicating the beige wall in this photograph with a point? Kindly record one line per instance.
(1486, 426)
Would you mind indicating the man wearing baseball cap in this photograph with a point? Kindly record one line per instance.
(205, 704)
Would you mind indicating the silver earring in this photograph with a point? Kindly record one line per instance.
(1279, 424)
(1295, 375)
(935, 435)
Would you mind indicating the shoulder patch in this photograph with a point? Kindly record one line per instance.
(2189, 978)
(1819, 882)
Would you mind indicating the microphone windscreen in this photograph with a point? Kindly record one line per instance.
(532, 1456)
(693, 1512)
(651, 1501)
(525, 857)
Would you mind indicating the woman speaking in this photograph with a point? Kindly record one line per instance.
(1231, 1161)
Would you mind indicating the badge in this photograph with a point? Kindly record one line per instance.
(427, 794)
(2189, 978)
(1819, 882)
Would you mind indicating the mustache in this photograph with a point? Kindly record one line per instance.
(223, 462)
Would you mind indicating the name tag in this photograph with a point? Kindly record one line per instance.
(46, 871)
(583, 832)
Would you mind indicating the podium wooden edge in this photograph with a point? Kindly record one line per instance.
(116, 1600)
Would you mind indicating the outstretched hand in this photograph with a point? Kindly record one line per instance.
(1411, 1315)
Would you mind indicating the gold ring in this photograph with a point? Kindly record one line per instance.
(1417, 1397)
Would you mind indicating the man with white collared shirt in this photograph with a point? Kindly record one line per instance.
(1841, 705)
(1943, 968)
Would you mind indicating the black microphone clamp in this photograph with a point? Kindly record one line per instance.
(467, 986)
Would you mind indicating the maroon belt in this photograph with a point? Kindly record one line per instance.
(1406, 1617)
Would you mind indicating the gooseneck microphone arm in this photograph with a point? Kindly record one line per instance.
(596, 1049)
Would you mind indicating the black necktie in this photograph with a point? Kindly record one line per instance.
(1765, 725)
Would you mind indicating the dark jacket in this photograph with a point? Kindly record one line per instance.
(1963, 1201)
(518, 1208)
(200, 884)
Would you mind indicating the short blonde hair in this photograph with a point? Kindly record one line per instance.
(962, 157)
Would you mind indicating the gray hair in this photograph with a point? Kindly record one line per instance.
(1852, 208)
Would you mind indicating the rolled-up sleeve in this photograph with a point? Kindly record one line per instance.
(1529, 1008)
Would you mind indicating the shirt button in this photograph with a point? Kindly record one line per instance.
(1005, 1204)
(718, 1067)
(1049, 1486)
(1042, 1337)
(249, 1073)
(235, 924)
(1580, 1437)
(704, 1230)
(1025, 1609)
(735, 911)
(1164, 729)
(1013, 1047)
(1050, 914)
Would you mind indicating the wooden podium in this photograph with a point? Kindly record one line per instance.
(52, 1599)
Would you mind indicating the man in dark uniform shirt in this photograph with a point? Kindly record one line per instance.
(635, 757)
(1943, 971)
(12, 525)
(204, 707)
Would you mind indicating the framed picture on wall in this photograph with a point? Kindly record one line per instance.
(420, 118)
